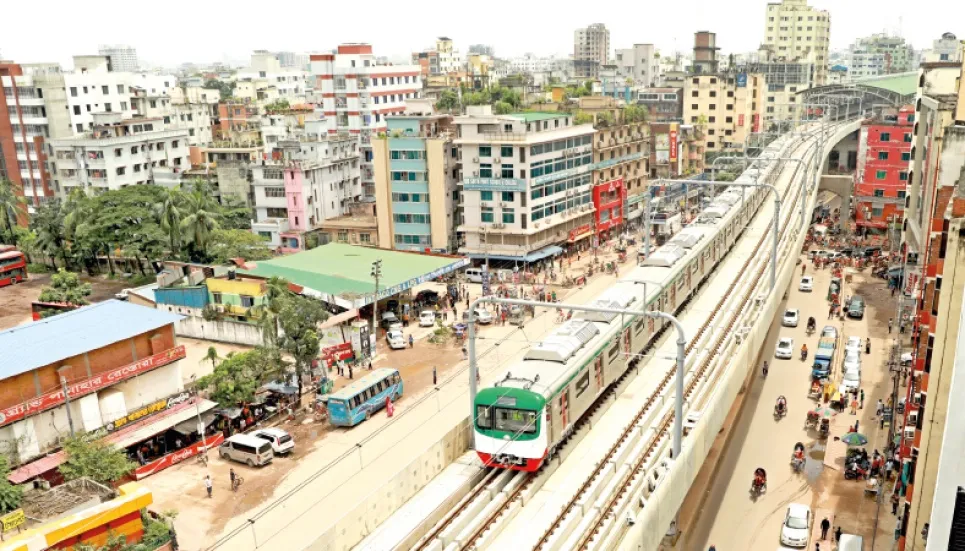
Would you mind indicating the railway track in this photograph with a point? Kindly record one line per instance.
(508, 488)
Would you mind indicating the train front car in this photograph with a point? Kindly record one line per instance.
(510, 428)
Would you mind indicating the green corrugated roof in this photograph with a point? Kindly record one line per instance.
(903, 83)
(533, 116)
(345, 270)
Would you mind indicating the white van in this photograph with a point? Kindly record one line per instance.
(474, 275)
(850, 542)
(247, 449)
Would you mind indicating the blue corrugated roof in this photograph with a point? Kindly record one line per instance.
(27, 347)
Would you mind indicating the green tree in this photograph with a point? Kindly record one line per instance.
(582, 117)
(235, 213)
(199, 223)
(168, 211)
(26, 240)
(298, 319)
(448, 101)
(48, 223)
(226, 89)
(125, 219)
(228, 244)
(66, 287)
(13, 207)
(10, 495)
(502, 108)
(94, 459)
(239, 375)
(278, 105)
(211, 356)
(634, 113)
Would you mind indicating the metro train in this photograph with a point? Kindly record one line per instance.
(536, 402)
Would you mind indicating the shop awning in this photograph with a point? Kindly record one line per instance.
(280, 388)
(191, 425)
(581, 236)
(635, 214)
(551, 250)
(127, 436)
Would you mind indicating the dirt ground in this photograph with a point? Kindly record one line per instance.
(15, 299)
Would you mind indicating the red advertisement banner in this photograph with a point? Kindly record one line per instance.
(174, 458)
(673, 145)
(87, 386)
(338, 352)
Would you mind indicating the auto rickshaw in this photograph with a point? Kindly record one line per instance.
(515, 315)
(759, 484)
(812, 325)
(812, 419)
(815, 392)
(834, 288)
(797, 457)
(825, 427)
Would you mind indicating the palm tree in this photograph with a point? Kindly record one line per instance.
(211, 356)
(202, 219)
(48, 222)
(169, 216)
(13, 207)
(78, 212)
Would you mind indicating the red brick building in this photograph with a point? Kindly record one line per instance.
(608, 199)
(884, 151)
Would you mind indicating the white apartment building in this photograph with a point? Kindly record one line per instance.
(946, 48)
(196, 118)
(312, 177)
(640, 63)
(357, 91)
(798, 32)
(591, 49)
(526, 183)
(265, 80)
(880, 54)
(449, 59)
(123, 58)
(119, 152)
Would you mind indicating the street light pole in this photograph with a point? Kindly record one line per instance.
(376, 274)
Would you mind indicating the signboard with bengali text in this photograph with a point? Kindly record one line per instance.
(176, 457)
(493, 184)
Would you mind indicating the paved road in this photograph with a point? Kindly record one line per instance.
(730, 519)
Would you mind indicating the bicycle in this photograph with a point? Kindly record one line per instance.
(238, 481)
(203, 459)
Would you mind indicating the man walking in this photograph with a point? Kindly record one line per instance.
(208, 484)
(890, 323)
(433, 375)
(862, 399)
(350, 374)
(825, 526)
(879, 409)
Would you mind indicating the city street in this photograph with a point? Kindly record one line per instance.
(728, 516)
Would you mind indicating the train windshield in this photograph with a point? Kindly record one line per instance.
(484, 419)
(520, 421)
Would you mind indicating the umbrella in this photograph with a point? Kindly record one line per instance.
(824, 412)
(854, 439)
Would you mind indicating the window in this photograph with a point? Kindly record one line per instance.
(507, 196)
(713, 106)
(506, 171)
(105, 90)
(886, 136)
(485, 196)
(365, 238)
(483, 417)
(486, 214)
(118, 151)
(275, 191)
(247, 301)
(693, 106)
(906, 156)
(903, 175)
(485, 151)
(907, 137)
(107, 108)
(277, 212)
(694, 94)
(506, 151)
(516, 421)
(486, 170)
(77, 110)
(216, 297)
(882, 155)
(73, 91)
(120, 88)
(121, 170)
(879, 192)
(509, 216)
(881, 174)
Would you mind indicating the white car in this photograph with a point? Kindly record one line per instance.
(807, 284)
(281, 441)
(785, 349)
(797, 526)
(427, 318)
(854, 343)
(395, 339)
(483, 316)
(829, 331)
(852, 360)
(850, 380)
(791, 317)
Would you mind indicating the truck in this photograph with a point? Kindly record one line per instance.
(823, 357)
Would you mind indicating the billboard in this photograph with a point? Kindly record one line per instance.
(673, 142)
(742, 80)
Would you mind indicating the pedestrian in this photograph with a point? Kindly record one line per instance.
(854, 406)
(350, 375)
(433, 375)
(231, 474)
(856, 423)
(831, 311)
(881, 423)
(890, 323)
(894, 503)
(861, 406)
(208, 484)
(411, 341)
(867, 346)
(465, 355)
(889, 466)
(879, 408)
(825, 526)
(837, 534)
(370, 365)
(817, 547)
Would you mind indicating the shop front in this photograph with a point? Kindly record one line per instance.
(608, 198)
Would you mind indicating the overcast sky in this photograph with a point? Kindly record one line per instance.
(168, 33)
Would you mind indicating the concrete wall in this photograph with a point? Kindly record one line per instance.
(222, 331)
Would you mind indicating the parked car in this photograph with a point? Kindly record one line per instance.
(807, 284)
(829, 331)
(791, 317)
(483, 316)
(797, 526)
(854, 343)
(281, 442)
(427, 318)
(245, 448)
(852, 361)
(785, 348)
(391, 322)
(850, 380)
(427, 296)
(395, 339)
(856, 308)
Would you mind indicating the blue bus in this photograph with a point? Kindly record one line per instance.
(362, 398)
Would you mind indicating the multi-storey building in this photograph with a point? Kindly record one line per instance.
(439, 61)
(676, 150)
(884, 152)
(312, 177)
(526, 183)
(798, 32)
(266, 81)
(932, 295)
(727, 105)
(591, 50)
(705, 53)
(357, 92)
(123, 58)
(641, 64)
(946, 48)
(119, 152)
(196, 118)
(662, 104)
(784, 79)
(417, 160)
(880, 54)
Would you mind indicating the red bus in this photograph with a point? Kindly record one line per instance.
(13, 265)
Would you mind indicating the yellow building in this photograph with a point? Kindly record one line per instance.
(798, 32)
(728, 106)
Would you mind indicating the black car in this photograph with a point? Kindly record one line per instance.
(427, 296)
